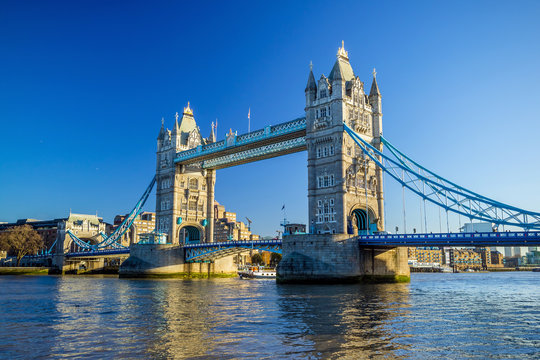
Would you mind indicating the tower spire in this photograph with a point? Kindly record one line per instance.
(187, 110)
(161, 134)
(311, 84)
(176, 125)
(374, 87)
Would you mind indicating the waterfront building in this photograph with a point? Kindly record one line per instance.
(144, 223)
(496, 259)
(425, 256)
(462, 259)
(485, 255)
(533, 257)
(226, 227)
(51, 230)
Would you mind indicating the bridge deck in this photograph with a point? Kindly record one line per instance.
(212, 251)
(514, 238)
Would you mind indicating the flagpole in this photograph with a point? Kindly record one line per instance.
(249, 120)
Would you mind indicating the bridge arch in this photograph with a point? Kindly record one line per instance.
(190, 234)
(361, 221)
(72, 245)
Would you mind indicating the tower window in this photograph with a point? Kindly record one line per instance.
(193, 184)
(325, 151)
(323, 112)
(319, 152)
(325, 181)
(331, 149)
(323, 93)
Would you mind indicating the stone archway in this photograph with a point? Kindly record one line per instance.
(190, 234)
(361, 221)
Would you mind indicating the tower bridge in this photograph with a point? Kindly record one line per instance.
(346, 241)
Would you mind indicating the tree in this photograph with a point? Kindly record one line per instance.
(20, 241)
(257, 259)
(275, 258)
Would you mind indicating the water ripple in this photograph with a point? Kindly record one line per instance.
(452, 316)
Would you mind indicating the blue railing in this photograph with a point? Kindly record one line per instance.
(510, 238)
(251, 137)
(93, 253)
(211, 251)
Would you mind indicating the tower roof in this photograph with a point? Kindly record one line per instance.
(311, 84)
(161, 134)
(186, 126)
(342, 69)
(374, 86)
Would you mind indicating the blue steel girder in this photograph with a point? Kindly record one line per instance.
(256, 154)
(212, 251)
(510, 238)
(441, 192)
(261, 144)
(116, 235)
(97, 253)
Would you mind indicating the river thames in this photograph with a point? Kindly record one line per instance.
(453, 316)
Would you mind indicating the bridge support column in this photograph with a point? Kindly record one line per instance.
(58, 257)
(155, 260)
(336, 258)
(210, 184)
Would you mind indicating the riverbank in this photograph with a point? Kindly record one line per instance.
(24, 270)
(48, 271)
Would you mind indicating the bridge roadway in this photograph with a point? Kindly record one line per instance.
(212, 251)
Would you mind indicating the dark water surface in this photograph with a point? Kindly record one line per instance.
(452, 316)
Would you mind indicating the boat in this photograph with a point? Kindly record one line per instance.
(256, 272)
(536, 270)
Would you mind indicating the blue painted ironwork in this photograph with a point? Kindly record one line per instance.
(441, 192)
(211, 251)
(510, 238)
(242, 156)
(116, 235)
(254, 137)
(94, 253)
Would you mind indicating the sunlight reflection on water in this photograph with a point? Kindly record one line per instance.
(436, 315)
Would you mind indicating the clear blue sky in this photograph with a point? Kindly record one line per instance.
(84, 85)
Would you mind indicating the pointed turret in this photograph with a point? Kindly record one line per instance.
(311, 84)
(374, 87)
(376, 105)
(212, 137)
(161, 134)
(311, 87)
(176, 128)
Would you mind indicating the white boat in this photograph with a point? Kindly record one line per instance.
(256, 272)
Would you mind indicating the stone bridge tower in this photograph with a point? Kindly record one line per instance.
(185, 194)
(345, 192)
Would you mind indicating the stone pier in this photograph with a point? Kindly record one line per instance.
(338, 258)
(167, 260)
